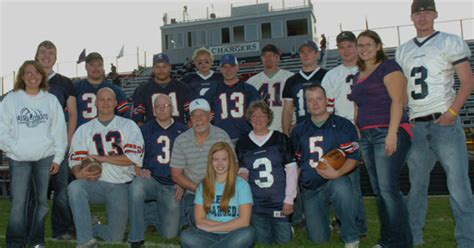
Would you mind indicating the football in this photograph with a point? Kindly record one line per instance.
(334, 158)
(91, 165)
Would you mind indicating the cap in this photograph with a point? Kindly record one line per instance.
(199, 103)
(228, 59)
(421, 5)
(310, 44)
(345, 36)
(270, 48)
(161, 58)
(93, 56)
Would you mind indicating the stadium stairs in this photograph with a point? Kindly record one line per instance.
(251, 66)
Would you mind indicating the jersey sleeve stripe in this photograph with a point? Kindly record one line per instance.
(460, 60)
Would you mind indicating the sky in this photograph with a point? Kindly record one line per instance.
(105, 26)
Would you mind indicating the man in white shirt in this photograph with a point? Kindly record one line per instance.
(117, 143)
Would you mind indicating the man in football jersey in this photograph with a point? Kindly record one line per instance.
(311, 139)
(201, 80)
(117, 143)
(230, 98)
(266, 160)
(87, 88)
(293, 92)
(161, 82)
(338, 83)
(270, 82)
(153, 181)
(190, 151)
(429, 61)
(62, 87)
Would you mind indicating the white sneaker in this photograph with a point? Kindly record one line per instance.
(377, 246)
(89, 244)
(354, 244)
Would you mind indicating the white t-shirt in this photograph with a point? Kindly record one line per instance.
(337, 83)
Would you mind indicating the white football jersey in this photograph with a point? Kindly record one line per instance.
(120, 137)
(429, 68)
(337, 83)
(271, 90)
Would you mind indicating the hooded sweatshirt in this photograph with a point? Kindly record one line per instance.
(32, 127)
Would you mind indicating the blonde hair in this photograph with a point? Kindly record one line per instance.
(201, 51)
(209, 188)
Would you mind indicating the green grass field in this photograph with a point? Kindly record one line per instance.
(438, 231)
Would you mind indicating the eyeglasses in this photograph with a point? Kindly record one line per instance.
(368, 45)
(166, 105)
(32, 73)
(255, 116)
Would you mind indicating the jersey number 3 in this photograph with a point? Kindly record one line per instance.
(420, 80)
(265, 174)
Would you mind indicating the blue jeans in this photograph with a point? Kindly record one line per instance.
(447, 144)
(197, 238)
(316, 207)
(146, 189)
(21, 172)
(297, 217)
(270, 230)
(187, 210)
(361, 219)
(61, 216)
(384, 173)
(82, 192)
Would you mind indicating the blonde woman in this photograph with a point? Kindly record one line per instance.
(223, 205)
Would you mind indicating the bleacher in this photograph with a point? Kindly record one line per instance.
(251, 66)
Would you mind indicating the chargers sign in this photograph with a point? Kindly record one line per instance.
(236, 48)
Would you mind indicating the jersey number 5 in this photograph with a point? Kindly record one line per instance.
(314, 148)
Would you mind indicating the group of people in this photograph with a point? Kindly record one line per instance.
(222, 162)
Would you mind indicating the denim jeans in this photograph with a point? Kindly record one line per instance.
(21, 173)
(447, 144)
(146, 189)
(187, 210)
(270, 230)
(82, 192)
(316, 204)
(61, 216)
(297, 217)
(197, 238)
(384, 173)
(361, 218)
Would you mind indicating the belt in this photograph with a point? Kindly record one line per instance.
(430, 117)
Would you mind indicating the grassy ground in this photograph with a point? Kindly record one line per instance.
(438, 231)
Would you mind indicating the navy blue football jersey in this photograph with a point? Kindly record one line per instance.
(158, 147)
(62, 87)
(266, 165)
(311, 142)
(86, 97)
(294, 90)
(229, 104)
(200, 84)
(145, 94)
